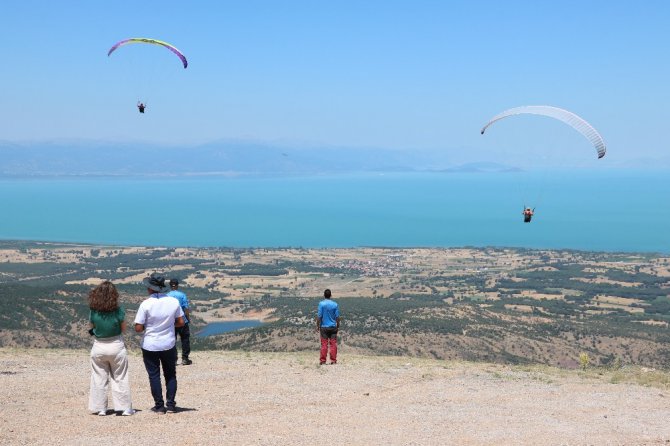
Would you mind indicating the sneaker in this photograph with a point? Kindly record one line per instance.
(128, 412)
(186, 362)
(172, 409)
(102, 413)
(158, 409)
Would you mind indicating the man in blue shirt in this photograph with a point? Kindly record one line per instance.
(328, 324)
(183, 332)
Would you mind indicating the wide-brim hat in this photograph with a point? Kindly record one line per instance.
(155, 282)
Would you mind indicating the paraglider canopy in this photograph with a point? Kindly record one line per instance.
(151, 42)
(565, 116)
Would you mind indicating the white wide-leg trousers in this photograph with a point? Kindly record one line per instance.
(109, 363)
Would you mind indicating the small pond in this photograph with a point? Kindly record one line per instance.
(216, 328)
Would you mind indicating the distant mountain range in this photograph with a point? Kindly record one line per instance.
(230, 158)
(483, 167)
(242, 158)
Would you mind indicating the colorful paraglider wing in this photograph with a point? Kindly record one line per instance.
(152, 42)
(565, 116)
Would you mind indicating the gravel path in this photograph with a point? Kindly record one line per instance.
(237, 398)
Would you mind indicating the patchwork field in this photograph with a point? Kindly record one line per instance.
(488, 304)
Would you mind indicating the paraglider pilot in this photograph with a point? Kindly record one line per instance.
(141, 106)
(527, 215)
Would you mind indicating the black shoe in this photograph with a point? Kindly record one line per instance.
(186, 362)
(158, 409)
(172, 409)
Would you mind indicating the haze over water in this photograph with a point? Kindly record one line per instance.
(586, 210)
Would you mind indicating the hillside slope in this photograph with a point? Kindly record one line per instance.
(238, 398)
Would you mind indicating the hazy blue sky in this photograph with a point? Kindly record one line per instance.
(394, 74)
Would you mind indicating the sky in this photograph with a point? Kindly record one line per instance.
(410, 75)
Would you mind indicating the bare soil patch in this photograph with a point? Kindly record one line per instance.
(238, 398)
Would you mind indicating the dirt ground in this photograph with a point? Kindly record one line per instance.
(238, 398)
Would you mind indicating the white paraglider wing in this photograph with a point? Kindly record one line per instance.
(565, 116)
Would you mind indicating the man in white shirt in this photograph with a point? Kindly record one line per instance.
(157, 317)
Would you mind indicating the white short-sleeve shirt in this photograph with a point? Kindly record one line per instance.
(158, 314)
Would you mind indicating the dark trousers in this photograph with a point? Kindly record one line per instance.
(185, 335)
(153, 362)
(328, 342)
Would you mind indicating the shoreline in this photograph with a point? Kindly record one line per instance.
(93, 244)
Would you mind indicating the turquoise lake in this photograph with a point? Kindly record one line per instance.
(595, 210)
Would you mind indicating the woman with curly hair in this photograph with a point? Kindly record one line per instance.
(109, 358)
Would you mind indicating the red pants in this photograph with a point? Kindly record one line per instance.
(328, 340)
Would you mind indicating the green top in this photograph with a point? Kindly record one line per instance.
(107, 323)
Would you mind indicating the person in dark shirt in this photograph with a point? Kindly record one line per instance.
(527, 215)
